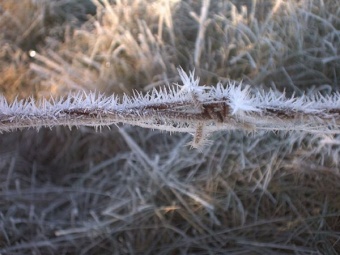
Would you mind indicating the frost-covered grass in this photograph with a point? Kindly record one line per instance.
(137, 191)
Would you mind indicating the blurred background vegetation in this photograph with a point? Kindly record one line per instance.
(136, 191)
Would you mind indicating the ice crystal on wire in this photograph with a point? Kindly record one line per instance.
(191, 84)
(189, 107)
(240, 100)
